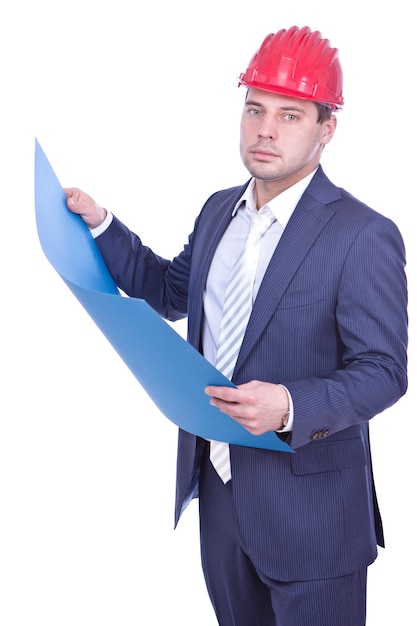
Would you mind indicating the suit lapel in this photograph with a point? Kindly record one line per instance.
(214, 220)
(308, 219)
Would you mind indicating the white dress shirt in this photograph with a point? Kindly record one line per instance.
(229, 249)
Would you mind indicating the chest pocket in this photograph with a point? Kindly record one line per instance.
(305, 296)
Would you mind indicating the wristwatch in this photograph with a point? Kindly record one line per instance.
(285, 419)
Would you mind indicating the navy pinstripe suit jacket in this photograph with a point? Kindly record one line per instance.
(330, 323)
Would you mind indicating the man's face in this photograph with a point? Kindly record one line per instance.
(280, 138)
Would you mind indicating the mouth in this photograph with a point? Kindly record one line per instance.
(263, 155)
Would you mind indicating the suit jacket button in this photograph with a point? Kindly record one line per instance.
(319, 434)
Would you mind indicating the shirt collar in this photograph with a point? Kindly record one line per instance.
(282, 205)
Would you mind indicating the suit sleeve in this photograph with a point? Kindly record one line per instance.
(140, 273)
(371, 320)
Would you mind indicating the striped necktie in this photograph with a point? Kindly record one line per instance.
(237, 308)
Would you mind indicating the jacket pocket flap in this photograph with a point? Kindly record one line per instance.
(320, 457)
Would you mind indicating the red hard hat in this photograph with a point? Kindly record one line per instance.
(299, 63)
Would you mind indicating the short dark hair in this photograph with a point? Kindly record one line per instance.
(324, 112)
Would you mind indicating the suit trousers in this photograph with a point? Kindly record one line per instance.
(242, 596)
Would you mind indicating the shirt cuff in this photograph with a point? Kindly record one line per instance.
(98, 230)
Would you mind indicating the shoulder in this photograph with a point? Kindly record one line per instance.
(345, 205)
(220, 204)
(229, 195)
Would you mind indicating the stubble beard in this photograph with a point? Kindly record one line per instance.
(264, 172)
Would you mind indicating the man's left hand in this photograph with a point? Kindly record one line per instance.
(257, 406)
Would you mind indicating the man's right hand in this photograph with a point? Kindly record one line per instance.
(82, 204)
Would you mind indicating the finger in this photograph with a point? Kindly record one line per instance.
(224, 393)
(70, 193)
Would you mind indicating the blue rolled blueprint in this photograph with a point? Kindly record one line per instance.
(168, 368)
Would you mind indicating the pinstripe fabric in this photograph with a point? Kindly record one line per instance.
(338, 601)
(236, 312)
(330, 322)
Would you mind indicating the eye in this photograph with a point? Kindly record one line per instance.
(254, 112)
(290, 117)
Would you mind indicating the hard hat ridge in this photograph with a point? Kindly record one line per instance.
(299, 63)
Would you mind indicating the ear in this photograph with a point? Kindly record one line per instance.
(328, 129)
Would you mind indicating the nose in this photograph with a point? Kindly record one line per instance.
(267, 128)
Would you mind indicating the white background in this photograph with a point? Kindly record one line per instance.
(137, 104)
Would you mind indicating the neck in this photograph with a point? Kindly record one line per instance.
(267, 190)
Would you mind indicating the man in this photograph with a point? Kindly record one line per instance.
(285, 538)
